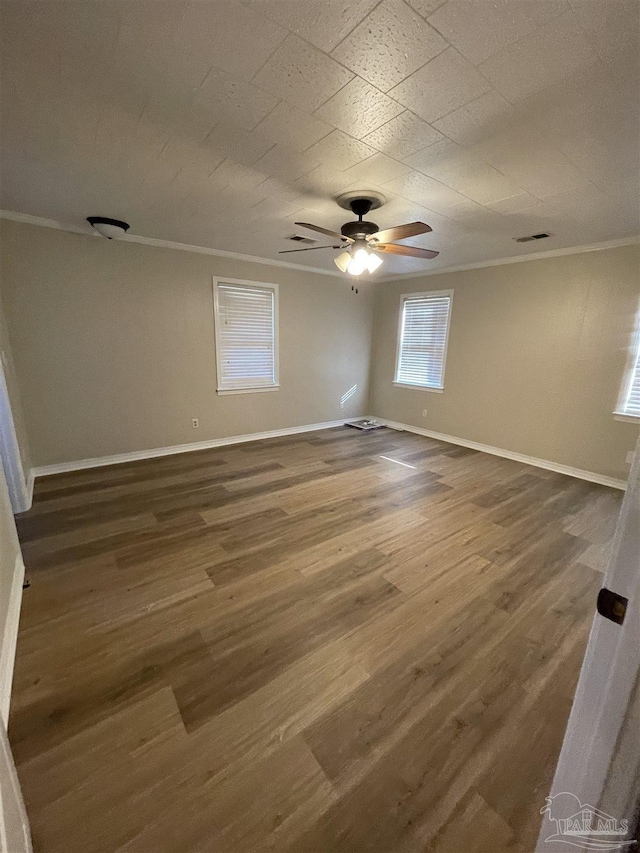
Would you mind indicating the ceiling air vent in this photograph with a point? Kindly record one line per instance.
(531, 237)
(302, 238)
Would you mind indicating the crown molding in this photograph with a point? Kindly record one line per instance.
(28, 219)
(532, 256)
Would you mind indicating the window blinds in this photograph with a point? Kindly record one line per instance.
(245, 327)
(423, 340)
(632, 403)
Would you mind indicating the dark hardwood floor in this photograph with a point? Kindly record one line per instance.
(301, 645)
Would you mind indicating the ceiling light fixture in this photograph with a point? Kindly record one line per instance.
(359, 260)
(362, 241)
(109, 228)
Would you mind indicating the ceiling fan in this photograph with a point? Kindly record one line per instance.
(363, 239)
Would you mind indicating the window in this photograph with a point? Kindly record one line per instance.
(422, 339)
(629, 404)
(246, 326)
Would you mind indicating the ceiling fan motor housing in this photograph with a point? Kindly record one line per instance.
(358, 229)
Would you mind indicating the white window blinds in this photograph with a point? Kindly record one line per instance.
(631, 405)
(246, 331)
(422, 344)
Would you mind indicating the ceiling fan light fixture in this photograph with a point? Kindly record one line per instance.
(359, 258)
(342, 261)
(364, 240)
(356, 267)
(374, 262)
(363, 260)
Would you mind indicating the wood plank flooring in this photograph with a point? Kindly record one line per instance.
(300, 645)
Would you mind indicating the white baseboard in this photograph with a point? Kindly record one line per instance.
(510, 454)
(100, 461)
(10, 638)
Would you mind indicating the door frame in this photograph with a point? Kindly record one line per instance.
(20, 489)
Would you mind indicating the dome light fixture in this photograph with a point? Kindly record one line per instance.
(109, 228)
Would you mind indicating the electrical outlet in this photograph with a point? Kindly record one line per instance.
(630, 457)
(424, 413)
(195, 423)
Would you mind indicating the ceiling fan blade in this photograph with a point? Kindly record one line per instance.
(326, 231)
(309, 249)
(400, 232)
(410, 251)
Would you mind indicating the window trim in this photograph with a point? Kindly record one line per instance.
(633, 356)
(438, 389)
(255, 285)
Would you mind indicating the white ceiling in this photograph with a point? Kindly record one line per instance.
(218, 123)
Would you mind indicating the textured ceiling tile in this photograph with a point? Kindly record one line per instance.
(324, 23)
(133, 139)
(232, 37)
(285, 163)
(604, 18)
(322, 181)
(292, 127)
(302, 75)
(226, 98)
(443, 85)
(358, 109)
(425, 7)
(402, 136)
(314, 205)
(231, 175)
(613, 28)
(198, 164)
(551, 55)
(242, 146)
(432, 194)
(147, 22)
(276, 188)
(477, 120)
(471, 176)
(275, 207)
(514, 204)
(391, 43)
(398, 209)
(531, 161)
(482, 28)
(435, 156)
(377, 169)
(340, 151)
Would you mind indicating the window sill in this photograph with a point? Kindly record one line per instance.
(629, 419)
(420, 387)
(224, 391)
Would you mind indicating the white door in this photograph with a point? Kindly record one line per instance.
(592, 779)
(9, 449)
(14, 826)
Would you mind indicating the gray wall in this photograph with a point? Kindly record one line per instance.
(537, 351)
(113, 346)
(114, 349)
